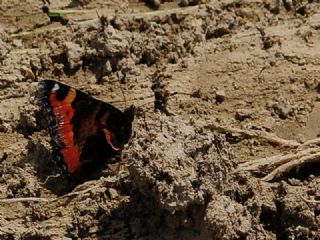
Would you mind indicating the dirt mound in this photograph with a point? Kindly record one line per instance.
(179, 164)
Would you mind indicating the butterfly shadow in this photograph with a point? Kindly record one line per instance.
(52, 172)
(47, 171)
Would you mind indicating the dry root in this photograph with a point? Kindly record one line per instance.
(310, 200)
(297, 154)
(276, 166)
(262, 135)
(79, 191)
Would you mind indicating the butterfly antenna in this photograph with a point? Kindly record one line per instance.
(145, 121)
(158, 101)
(97, 12)
(103, 20)
(124, 96)
(121, 88)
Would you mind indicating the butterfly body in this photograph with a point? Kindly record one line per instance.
(83, 129)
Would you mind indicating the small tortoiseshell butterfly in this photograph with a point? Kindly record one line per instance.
(84, 130)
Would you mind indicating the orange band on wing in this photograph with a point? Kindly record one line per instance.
(64, 112)
(108, 138)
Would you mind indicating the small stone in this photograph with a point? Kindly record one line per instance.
(27, 73)
(318, 87)
(196, 94)
(46, 62)
(184, 64)
(3, 192)
(217, 32)
(35, 64)
(3, 155)
(243, 114)
(283, 112)
(108, 68)
(115, 46)
(17, 43)
(220, 96)
(113, 193)
(184, 3)
(93, 80)
(156, 3)
(58, 69)
(74, 53)
(121, 76)
(173, 57)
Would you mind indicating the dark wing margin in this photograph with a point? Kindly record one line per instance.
(55, 100)
(43, 100)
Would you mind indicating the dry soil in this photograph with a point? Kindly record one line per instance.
(195, 70)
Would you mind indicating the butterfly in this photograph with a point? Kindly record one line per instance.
(84, 131)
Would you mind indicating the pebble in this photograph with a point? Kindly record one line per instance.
(3, 155)
(113, 193)
(17, 43)
(27, 73)
(156, 3)
(74, 53)
(242, 114)
(220, 96)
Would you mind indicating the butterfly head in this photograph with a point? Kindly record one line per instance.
(118, 127)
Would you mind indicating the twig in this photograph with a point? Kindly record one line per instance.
(290, 165)
(36, 199)
(3, 231)
(267, 163)
(269, 137)
(308, 143)
(307, 152)
(310, 200)
(60, 12)
(27, 199)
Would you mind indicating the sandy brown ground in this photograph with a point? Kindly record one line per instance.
(200, 76)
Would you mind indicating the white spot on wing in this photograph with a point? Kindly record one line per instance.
(56, 87)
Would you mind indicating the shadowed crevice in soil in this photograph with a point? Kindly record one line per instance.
(141, 218)
(271, 219)
(303, 172)
(160, 81)
(52, 174)
(62, 59)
